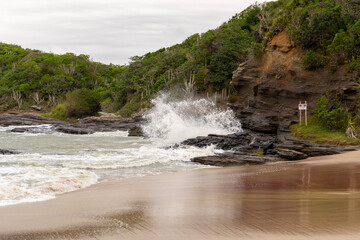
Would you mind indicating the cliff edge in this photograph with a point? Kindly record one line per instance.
(269, 91)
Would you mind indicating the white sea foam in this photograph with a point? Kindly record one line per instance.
(54, 163)
(29, 183)
(39, 172)
(173, 122)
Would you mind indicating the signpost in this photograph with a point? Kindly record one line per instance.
(303, 107)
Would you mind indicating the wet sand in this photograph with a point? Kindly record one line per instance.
(317, 198)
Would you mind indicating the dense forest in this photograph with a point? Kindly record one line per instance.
(328, 31)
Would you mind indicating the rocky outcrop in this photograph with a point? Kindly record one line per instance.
(106, 124)
(249, 142)
(87, 125)
(23, 119)
(269, 91)
(255, 148)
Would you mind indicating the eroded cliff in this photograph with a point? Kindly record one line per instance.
(269, 91)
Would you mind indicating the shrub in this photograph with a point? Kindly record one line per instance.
(314, 61)
(3, 107)
(59, 112)
(108, 105)
(82, 102)
(333, 118)
(353, 64)
(129, 109)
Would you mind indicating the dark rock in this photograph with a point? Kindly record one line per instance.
(311, 149)
(106, 124)
(8, 152)
(315, 151)
(32, 130)
(136, 131)
(250, 145)
(290, 154)
(74, 130)
(250, 142)
(19, 130)
(268, 148)
(21, 119)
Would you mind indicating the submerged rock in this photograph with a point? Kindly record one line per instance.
(74, 130)
(19, 130)
(136, 131)
(8, 152)
(32, 130)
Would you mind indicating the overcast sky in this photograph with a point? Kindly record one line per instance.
(110, 30)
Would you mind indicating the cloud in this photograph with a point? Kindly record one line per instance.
(110, 30)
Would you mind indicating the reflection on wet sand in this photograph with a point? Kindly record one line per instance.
(107, 224)
(315, 199)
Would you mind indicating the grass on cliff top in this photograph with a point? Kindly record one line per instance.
(318, 134)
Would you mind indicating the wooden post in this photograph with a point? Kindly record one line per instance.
(306, 114)
(300, 113)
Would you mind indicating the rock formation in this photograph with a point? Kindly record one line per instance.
(269, 92)
(87, 125)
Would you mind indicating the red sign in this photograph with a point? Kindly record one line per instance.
(302, 106)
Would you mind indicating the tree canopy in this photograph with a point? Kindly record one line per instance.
(328, 30)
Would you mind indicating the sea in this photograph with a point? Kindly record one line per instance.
(51, 163)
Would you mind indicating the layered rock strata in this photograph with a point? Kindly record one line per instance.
(269, 92)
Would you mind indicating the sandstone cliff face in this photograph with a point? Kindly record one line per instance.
(269, 92)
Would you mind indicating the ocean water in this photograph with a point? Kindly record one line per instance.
(54, 163)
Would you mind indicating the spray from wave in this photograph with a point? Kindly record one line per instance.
(175, 121)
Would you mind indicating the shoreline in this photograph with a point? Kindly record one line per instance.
(274, 201)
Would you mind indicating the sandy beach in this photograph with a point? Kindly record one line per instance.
(311, 199)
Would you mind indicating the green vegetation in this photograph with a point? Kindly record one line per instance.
(81, 103)
(328, 31)
(331, 116)
(319, 134)
(314, 61)
(328, 123)
(59, 112)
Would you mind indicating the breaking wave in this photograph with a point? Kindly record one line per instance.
(175, 121)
